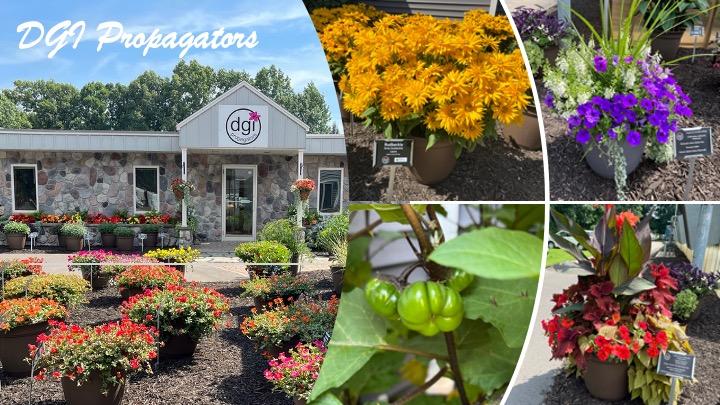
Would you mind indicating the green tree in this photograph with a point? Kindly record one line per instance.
(276, 85)
(192, 87)
(93, 111)
(312, 109)
(150, 102)
(227, 79)
(12, 117)
(48, 104)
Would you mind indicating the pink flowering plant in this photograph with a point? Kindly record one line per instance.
(103, 256)
(301, 185)
(295, 373)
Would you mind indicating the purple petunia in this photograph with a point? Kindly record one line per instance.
(600, 64)
(549, 100)
(583, 136)
(634, 138)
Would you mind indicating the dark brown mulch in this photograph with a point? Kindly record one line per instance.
(225, 369)
(496, 171)
(572, 180)
(704, 334)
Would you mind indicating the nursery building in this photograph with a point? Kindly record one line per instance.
(241, 152)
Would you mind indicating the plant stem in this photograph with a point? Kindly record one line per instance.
(420, 389)
(436, 222)
(436, 272)
(401, 349)
(455, 367)
(365, 231)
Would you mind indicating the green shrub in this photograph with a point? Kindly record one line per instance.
(107, 228)
(16, 227)
(335, 228)
(150, 228)
(686, 303)
(124, 231)
(284, 231)
(265, 251)
(66, 289)
(73, 230)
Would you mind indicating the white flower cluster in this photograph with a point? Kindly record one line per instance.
(570, 81)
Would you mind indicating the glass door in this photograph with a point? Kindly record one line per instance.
(239, 184)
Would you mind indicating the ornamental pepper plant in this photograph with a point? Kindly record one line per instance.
(463, 302)
(620, 309)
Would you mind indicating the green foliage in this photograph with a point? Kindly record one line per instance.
(334, 229)
(683, 13)
(16, 227)
(124, 231)
(66, 289)
(286, 232)
(73, 230)
(107, 228)
(263, 252)
(150, 228)
(536, 56)
(588, 215)
(150, 102)
(685, 304)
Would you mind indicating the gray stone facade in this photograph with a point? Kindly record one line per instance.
(102, 182)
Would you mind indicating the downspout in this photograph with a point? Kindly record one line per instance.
(703, 235)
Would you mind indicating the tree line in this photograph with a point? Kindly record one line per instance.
(150, 102)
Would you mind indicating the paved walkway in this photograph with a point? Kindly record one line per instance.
(208, 268)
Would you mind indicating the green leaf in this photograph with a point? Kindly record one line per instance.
(578, 307)
(327, 399)
(370, 111)
(506, 304)
(485, 360)
(492, 253)
(431, 141)
(358, 269)
(557, 256)
(377, 375)
(388, 212)
(574, 229)
(389, 131)
(618, 271)
(527, 216)
(356, 336)
(630, 250)
(634, 287)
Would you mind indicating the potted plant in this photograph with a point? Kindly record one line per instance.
(107, 234)
(286, 232)
(679, 16)
(66, 289)
(265, 290)
(124, 237)
(21, 321)
(14, 268)
(93, 363)
(151, 230)
(16, 234)
(451, 101)
(136, 279)
(184, 315)
(690, 278)
(338, 250)
(685, 307)
(177, 256)
(618, 100)
(74, 234)
(295, 373)
(267, 252)
(303, 187)
(271, 331)
(98, 276)
(613, 324)
(542, 29)
(181, 188)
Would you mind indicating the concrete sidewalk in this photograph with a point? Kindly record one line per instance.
(205, 269)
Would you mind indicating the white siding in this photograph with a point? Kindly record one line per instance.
(89, 141)
(438, 8)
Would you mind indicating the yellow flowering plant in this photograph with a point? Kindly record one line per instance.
(417, 75)
(174, 255)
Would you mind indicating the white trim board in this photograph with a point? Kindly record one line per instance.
(12, 187)
(157, 193)
(342, 187)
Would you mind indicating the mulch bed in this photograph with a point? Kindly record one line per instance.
(226, 368)
(495, 171)
(704, 334)
(572, 180)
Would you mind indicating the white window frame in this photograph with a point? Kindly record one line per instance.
(12, 187)
(157, 173)
(342, 187)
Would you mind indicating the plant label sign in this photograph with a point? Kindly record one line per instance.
(693, 143)
(393, 152)
(677, 365)
(697, 31)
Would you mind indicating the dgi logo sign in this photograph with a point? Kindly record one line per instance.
(244, 126)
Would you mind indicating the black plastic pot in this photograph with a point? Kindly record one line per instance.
(14, 348)
(91, 392)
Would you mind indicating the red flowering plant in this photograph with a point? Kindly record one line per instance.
(303, 185)
(14, 268)
(29, 311)
(145, 277)
(178, 310)
(620, 308)
(24, 218)
(295, 372)
(111, 352)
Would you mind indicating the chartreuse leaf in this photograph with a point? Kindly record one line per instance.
(327, 398)
(630, 250)
(485, 360)
(492, 253)
(506, 304)
(356, 336)
(557, 256)
(388, 212)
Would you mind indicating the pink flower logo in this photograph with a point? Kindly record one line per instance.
(254, 116)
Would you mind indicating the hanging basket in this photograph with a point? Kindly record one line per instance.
(304, 195)
(178, 194)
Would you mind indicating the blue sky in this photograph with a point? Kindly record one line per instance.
(285, 33)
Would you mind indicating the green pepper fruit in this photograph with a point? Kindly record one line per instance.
(460, 280)
(429, 307)
(382, 297)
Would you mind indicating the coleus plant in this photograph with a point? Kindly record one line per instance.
(465, 303)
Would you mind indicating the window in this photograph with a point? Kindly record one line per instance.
(147, 180)
(330, 191)
(24, 188)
